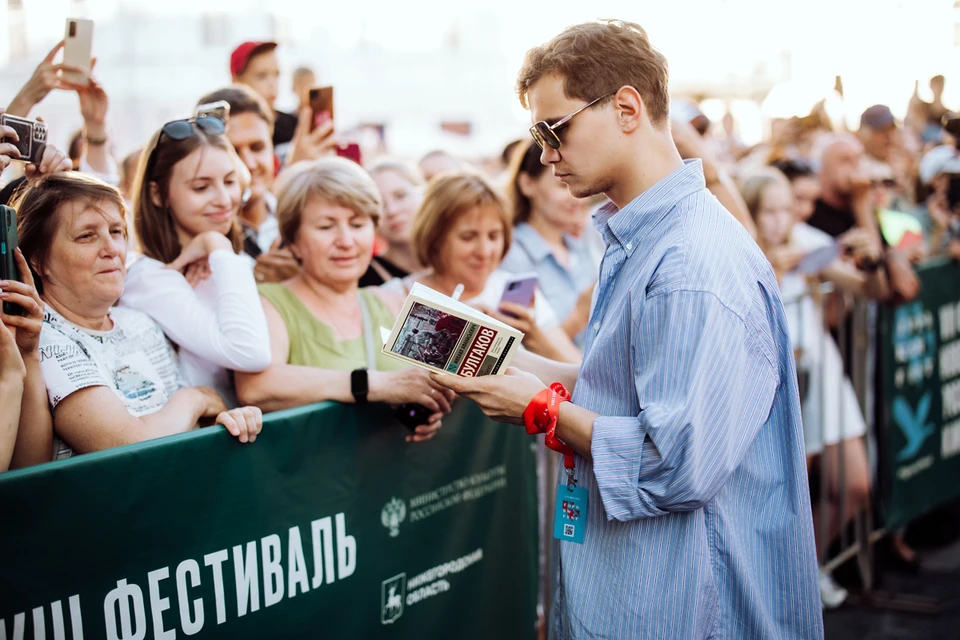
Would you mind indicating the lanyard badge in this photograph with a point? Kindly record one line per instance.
(570, 514)
(541, 416)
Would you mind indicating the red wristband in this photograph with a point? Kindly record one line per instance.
(544, 407)
(536, 416)
(542, 415)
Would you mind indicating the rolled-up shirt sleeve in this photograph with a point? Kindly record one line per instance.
(705, 383)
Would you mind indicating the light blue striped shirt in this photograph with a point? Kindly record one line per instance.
(699, 523)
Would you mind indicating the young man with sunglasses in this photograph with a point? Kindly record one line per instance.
(684, 510)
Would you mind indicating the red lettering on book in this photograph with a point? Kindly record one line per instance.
(477, 352)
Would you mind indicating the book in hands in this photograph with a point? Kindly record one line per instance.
(438, 333)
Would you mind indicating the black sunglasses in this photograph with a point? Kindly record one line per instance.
(183, 129)
(545, 135)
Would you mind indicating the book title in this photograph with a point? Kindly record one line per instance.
(477, 353)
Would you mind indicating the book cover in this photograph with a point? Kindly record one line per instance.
(441, 334)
